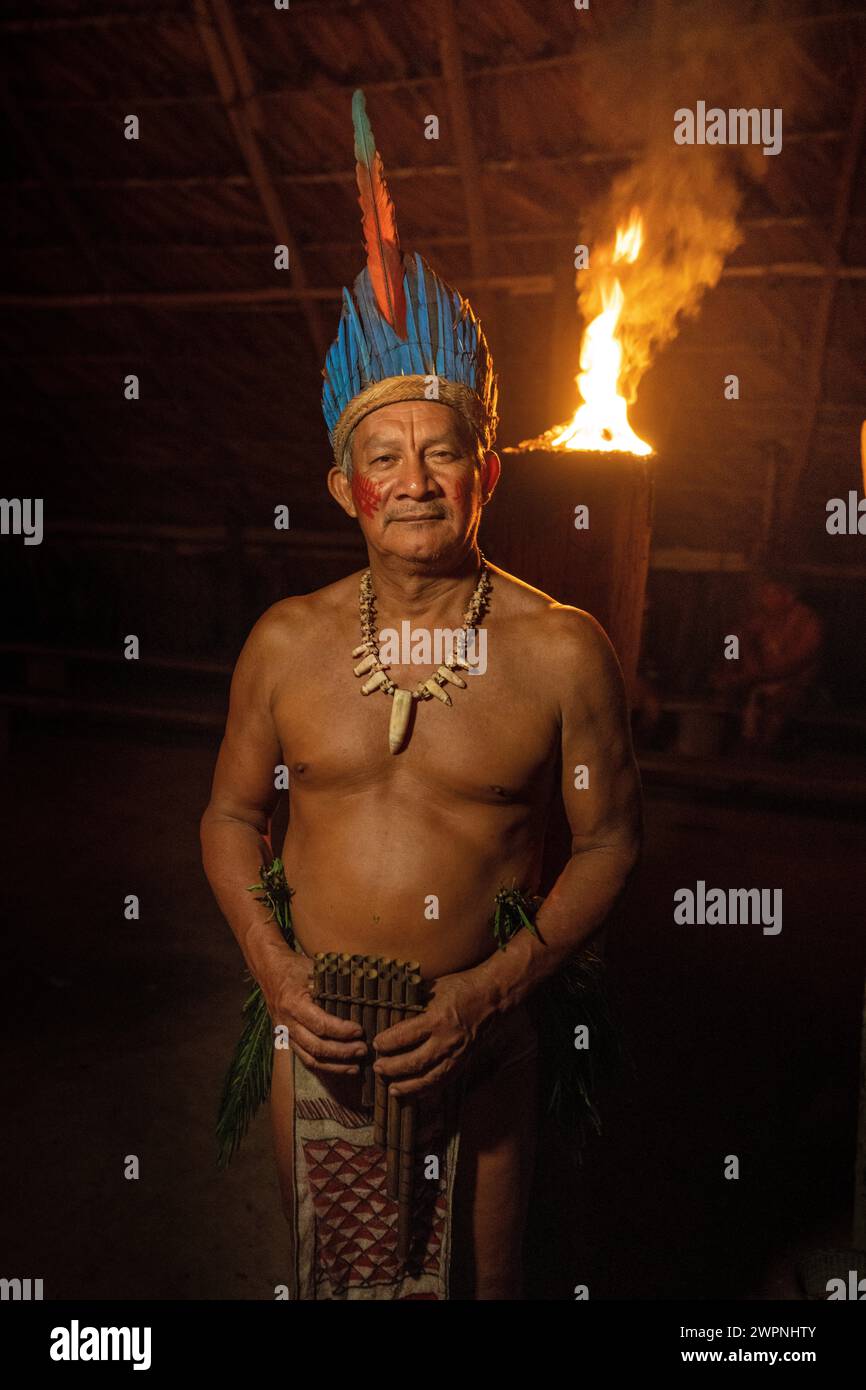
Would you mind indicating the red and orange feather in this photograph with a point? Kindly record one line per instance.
(379, 222)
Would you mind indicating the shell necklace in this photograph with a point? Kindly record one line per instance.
(372, 666)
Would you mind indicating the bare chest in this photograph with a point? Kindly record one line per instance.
(497, 739)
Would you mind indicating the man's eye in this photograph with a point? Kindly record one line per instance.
(383, 458)
(442, 454)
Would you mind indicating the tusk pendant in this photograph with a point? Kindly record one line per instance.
(400, 712)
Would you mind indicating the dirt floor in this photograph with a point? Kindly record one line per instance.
(116, 1036)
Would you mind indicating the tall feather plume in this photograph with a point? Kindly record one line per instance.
(379, 222)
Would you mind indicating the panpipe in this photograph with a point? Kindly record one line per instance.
(378, 992)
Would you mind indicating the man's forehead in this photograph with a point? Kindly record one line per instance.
(408, 417)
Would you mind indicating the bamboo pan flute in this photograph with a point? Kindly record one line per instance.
(378, 992)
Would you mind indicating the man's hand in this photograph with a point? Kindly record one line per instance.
(322, 1042)
(423, 1051)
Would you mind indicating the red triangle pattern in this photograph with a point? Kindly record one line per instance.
(356, 1220)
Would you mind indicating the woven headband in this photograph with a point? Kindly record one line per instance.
(411, 388)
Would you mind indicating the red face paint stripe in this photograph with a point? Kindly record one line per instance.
(366, 495)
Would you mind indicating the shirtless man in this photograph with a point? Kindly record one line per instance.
(458, 813)
(779, 663)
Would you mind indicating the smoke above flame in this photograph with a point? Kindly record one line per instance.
(659, 237)
(688, 210)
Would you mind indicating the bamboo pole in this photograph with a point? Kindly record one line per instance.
(378, 992)
(368, 1020)
(383, 1021)
(407, 1111)
(330, 978)
(356, 1012)
(392, 1176)
(397, 991)
(344, 983)
(319, 979)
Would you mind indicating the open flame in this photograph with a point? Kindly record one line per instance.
(601, 421)
(629, 239)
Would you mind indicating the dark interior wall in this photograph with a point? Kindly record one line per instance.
(196, 600)
(200, 602)
(688, 615)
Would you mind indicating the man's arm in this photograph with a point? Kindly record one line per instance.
(235, 828)
(605, 820)
(603, 809)
(235, 840)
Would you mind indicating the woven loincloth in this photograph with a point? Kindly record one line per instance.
(344, 1221)
(344, 1224)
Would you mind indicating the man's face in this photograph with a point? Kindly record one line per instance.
(774, 597)
(416, 487)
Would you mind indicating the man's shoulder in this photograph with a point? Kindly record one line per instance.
(550, 625)
(580, 651)
(291, 620)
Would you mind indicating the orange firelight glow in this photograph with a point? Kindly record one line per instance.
(601, 421)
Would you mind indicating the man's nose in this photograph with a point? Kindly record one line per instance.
(414, 478)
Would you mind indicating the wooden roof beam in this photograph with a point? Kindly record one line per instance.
(467, 155)
(400, 171)
(269, 297)
(151, 15)
(819, 332)
(70, 217)
(540, 234)
(224, 50)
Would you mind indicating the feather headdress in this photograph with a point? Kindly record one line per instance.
(400, 319)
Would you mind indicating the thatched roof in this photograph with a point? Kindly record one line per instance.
(155, 255)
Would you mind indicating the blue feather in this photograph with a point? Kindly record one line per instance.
(355, 327)
(414, 362)
(461, 325)
(409, 354)
(376, 327)
(353, 376)
(424, 319)
(424, 322)
(440, 331)
(352, 350)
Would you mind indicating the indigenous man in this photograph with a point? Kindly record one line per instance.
(410, 812)
(779, 662)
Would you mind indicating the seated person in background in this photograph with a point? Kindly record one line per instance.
(780, 650)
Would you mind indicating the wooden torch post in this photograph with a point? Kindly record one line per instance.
(528, 528)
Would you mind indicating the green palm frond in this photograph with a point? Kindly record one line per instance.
(511, 912)
(576, 994)
(247, 1082)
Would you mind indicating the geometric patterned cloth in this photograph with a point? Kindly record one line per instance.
(345, 1222)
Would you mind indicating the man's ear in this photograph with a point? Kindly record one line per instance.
(340, 489)
(490, 471)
